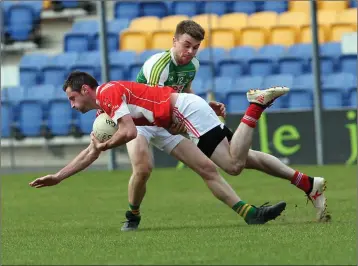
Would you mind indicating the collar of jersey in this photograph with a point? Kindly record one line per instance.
(173, 57)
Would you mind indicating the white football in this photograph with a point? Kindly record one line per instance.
(104, 127)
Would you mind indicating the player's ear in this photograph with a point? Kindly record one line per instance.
(84, 89)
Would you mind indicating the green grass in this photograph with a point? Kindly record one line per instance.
(78, 221)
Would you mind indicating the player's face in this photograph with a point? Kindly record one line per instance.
(185, 48)
(79, 101)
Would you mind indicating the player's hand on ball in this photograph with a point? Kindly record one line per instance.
(45, 181)
(177, 128)
(219, 108)
(99, 146)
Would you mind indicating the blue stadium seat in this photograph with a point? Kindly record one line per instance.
(21, 21)
(352, 100)
(30, 118)
(248, 7)
(153, 8)
(275, 6)
(189, 8)
(114, 28)
(231, 68)
(305, 81)
(30, 65)
(222, 85)
(328, 65)
(117, 72)
(332, 98)
(243, 53)
(300, 50)
(199, 86)
(145, 55)
(89, 62)
(291, 65)
(212, 55)
(123, 58)
(261, 66)
(41, 93)
(133, 71)
(278, 80)
(57, 69)
(353, 3)
(126, 9)
(300, 99)
(348, 63)
(117, 25)
(332, 49)
(215, 7)
(272, 51)
(87, 26)
(205, 71)
(13, 94)
(245, 83)
(77, 42)
(236, 102)
(60, 116)
(70, 4)
(6, 119)
(85, 121)
(339, 80)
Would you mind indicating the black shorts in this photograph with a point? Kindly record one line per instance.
(211, 139)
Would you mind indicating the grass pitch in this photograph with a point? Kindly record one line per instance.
(78, 222)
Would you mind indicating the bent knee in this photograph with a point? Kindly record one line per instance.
(235, 169)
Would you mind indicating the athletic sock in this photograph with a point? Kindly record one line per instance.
(134, 209)
(244, 210)
(252, 114)
(302, 181)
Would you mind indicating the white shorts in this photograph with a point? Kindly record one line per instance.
(197, 115)
(160, 137)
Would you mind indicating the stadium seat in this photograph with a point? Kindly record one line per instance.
(299, 6)
(231, 68)
(134, 40)
(332, 98)
(328, 65)
(161, 39)
(261, 66)
(126, 9)
(224, 38)
(41, 93)
(242, 53)
(215, 7)
(265, 19)
(333, 5)
(171, 22)
(70, 4)
(207, 20)
(300, 99)
(352, 100)
(233, 21)
(338, 29)
(145, 55)
(60, 117)
(122, 58)
(88, 62)
(6, 119)
(149, 24)
(13, 94)
(353, 3)
(30, 66)
(305, 34)
(275, 6)
(304, 81)
(77, 42)
(271, 51)
(347, 16)
(253, 36)
(56, 70)
(205, 71)
(245, 83)
(199, 86)
(236, 102)
(296, 19)
(340, 80)
(85, 121)
(291, 65)
(278, 80)
(153, 8)
(221, 86)
(332, 49)
(283, 35)
(247, 7)
(326, 17)
(21, 19)
(188, 8)
(303, 50)
(212, 55)
(348, 63)
(30, 118)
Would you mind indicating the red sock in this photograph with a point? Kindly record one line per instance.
(252, 114)
(302, 181)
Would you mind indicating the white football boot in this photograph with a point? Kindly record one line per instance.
(318, 199)
(266, 97)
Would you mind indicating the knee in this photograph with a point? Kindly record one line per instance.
(235, 169)
(141, 172)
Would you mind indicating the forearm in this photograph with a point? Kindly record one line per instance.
(118, 139)
(82, 161)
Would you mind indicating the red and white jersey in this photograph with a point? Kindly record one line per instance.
(148, 106)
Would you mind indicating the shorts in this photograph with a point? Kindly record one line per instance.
(160, 137)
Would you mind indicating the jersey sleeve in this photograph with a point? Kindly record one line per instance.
(141, 77)
(156, 69)
(112, 101)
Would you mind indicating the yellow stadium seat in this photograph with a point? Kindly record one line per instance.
(347, 16)
(134, 40)
(225, 38)
(283, 35)
(253, 36)
(299, 6)
(207, 20)
(263, 19)
(149, 23)
(162, 39)
(333, 5)
(296, 19)
(46, 4)
(233, 20)
(305, 35)
(337, 30)
(171, 22)
(326, 17)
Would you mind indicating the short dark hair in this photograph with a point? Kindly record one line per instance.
(191, 28)
(77, 79)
